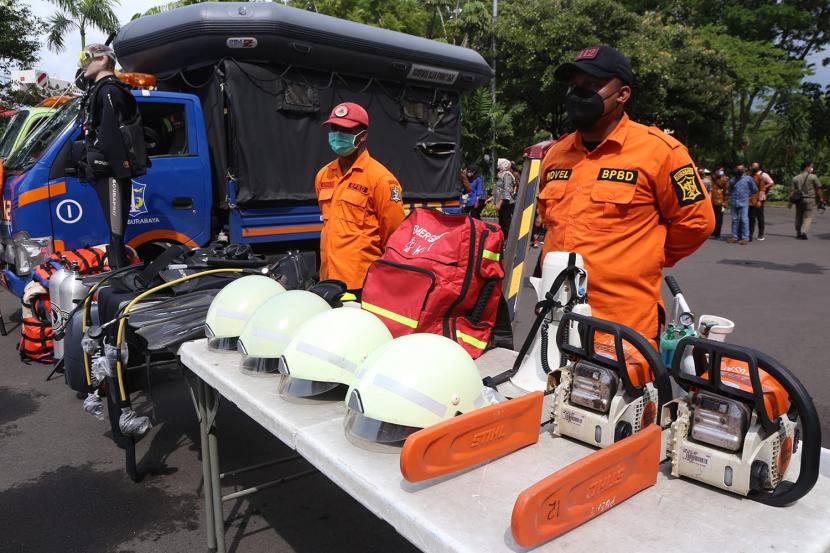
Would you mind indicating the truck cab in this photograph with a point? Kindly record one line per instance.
(47, 207)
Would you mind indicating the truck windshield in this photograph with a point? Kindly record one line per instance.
(37, 142)
(12, 130)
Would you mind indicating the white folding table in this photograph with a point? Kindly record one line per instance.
(470, 512)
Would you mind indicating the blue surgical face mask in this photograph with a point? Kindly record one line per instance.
(343, 144)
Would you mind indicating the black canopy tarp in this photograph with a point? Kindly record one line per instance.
(272, 142)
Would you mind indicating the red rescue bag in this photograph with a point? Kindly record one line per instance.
(440, 274)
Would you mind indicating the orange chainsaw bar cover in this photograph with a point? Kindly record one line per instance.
(586, 488)
(472, 438)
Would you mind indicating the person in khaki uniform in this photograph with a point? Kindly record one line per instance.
(360, 200)
(808, 186)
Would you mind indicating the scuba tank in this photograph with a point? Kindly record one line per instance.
(58, 316)
(682, 325)
(71, 291)
(682, 322)
(562, 289)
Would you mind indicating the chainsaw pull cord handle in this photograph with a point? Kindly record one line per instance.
(588, 327)
(542, 309)
(708, 354)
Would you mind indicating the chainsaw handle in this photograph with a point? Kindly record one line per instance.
(674, 287)
(708, 354)
(588, 327)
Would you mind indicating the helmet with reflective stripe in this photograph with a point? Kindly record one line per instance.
(413, 382)
(232, 307)
(328, 349)
(271, 327)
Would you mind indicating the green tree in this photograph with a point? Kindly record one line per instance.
(406, 16)
(19, 30)
(678, 76)
(79, 15)
(761, 36)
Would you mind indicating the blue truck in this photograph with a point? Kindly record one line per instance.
(232, 116)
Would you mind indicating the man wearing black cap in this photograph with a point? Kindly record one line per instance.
(625, 196)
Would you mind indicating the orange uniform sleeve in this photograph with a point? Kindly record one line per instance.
(388, 198)
(684, 202)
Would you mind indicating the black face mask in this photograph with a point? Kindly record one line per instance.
(584, 106)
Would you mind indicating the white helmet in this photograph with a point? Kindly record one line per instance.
(271, 327)
(328, 349)
(413, 382)
(232, 306)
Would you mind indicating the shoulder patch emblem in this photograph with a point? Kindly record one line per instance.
(628, 176)
(395, 192)
(686, 185)
(557, 174)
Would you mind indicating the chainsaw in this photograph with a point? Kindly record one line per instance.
(613, 385)
(739, 423)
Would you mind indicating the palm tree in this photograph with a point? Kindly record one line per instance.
(80, 15)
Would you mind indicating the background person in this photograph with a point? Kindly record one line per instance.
(718, 196)
(504, 195)
(360, 200)
(475, 198)
(756, 202)
(741, 187)
(808, 186)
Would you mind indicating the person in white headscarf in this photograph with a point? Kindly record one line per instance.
(504, 194)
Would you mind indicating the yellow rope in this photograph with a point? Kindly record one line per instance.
(122, 323)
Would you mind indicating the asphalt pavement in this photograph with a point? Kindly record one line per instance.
(63, 486)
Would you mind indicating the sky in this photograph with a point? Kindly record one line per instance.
(63, 65)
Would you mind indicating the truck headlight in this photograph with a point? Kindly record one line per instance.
(8, 252)
(719, 421)
(593, 386)
(30, 252)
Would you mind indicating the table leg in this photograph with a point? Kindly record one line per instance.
(212, 404)
(207, 482)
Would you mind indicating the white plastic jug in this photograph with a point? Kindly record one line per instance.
(531, 376)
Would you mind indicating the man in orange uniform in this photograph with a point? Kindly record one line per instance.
(359, 198)
(625, 196)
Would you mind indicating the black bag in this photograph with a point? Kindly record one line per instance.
(797, 197)
(132, 134)
(132, 138)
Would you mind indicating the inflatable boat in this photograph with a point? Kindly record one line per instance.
(202, 34)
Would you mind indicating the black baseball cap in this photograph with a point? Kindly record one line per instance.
(598, 61)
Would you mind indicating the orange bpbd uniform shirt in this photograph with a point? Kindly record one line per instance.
(631, 207)
(360, 210)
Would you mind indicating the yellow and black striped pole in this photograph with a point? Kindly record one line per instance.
(521, 228)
